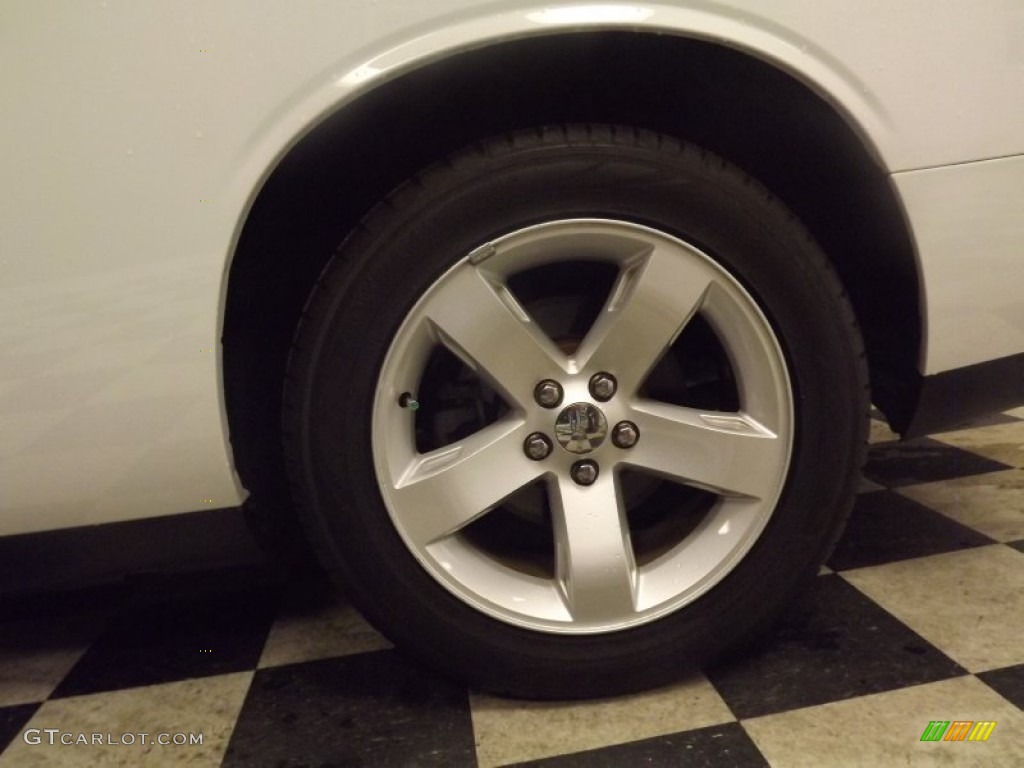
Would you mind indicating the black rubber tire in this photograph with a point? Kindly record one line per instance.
(440, 216)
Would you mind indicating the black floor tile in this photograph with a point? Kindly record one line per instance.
(1007, 682)
(725, 745)
(12, 722)
(924, 460)
(176, 635)
(370, 709)
(834, 644)
(885, 527)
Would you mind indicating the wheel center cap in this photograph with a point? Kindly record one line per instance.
(580, 428)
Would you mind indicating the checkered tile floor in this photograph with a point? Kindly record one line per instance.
(919, 617)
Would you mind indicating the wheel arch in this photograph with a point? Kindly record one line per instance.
(741, 105)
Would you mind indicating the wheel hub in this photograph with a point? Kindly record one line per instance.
(581, 428)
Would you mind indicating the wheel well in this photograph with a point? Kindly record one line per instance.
(759, 118)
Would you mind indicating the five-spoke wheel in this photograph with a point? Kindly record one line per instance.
(575, 410)
(562, 400)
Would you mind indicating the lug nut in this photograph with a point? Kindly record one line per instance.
(625, 434)
(537, 446)
(602, 386)
(548, 393)
(584, 472)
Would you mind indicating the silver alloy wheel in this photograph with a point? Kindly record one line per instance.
(598, 585)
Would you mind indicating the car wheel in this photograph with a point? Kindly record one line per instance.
(574, 410)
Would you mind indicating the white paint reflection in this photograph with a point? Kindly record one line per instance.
(590, 14)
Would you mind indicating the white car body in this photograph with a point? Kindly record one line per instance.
(137, 137)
